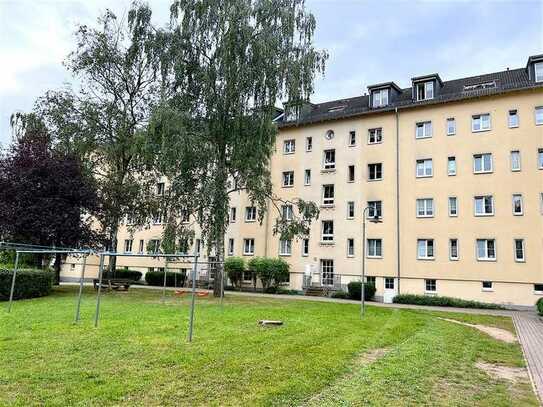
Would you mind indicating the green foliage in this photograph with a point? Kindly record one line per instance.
(173, 279)
(234, 268)
(272, 272)
(439, 301)
(286, 291)
(355, 290)
(28, 284)
(126, 274)
(341, 294)
(539, 305)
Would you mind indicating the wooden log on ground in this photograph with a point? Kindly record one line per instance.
(266, 322)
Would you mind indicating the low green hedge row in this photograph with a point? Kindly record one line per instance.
(539, 305)
(125, 273)
(443, 301)
(173, 279)
(28, 284)
(355, 290)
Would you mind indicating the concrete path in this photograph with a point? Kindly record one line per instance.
(530, 334)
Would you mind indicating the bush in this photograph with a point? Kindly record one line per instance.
(28, 284)
(539, 304)
(438, 301)
(355, 290)
(126, 274)
(272, 272)
(340, 294)
(173, 279)
(234, 268)
(286, 291)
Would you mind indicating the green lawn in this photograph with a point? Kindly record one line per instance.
(139, 354)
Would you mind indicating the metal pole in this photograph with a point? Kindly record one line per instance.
(13, 281)
(100, 273)
(191, 319)
(221, 268)
(164, 287)
(362, 294)
(77, 315)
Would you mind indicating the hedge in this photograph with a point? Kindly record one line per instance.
(355, 290)
(443, 301)
(28, 284)
(272, 272)
(234, 268)
(157, 278)
(127, 274)
(341, 294)
(539, 304)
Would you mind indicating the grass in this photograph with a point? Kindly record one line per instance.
(139, 355)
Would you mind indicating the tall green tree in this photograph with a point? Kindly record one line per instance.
(225, 65)
(104, 119)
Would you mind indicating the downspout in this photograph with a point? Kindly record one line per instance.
(398, 265)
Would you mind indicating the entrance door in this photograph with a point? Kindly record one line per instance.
(390, 290)
(327, 272)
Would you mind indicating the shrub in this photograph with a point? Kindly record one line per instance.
(355, 290)
(28, 284)
(539, 304)
(340, 294)
(287, 291)
(442, 301)
(271, 271)
(234, 268)
(173, 279)
(126, 274)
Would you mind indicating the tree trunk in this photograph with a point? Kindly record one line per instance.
(113, 248)
(219, 274)
(56, 267)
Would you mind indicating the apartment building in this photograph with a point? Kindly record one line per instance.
(452, 169)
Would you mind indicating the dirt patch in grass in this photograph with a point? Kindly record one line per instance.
(512, 374)
(496, 333)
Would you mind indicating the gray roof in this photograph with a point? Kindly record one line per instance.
(506, 81)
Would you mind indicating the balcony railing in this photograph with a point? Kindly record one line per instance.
(318, 280)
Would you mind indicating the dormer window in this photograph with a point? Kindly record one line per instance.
(538, 70)
(425, 90)
(380, 98)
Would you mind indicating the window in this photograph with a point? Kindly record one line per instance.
(232, 214)
(451, 166)
(289, 146)
(453, 249)
(541, 202)
(285, 247)
(389, 283)
(484, 205)
(519, 250)
(517, 204)
(128, 245)
(160, 188)
(482, 163)
(327, 270)
(423, 130)
(376, 209)
(287, 212)
(540, 158)
(327, 231)
(308, 144)
(425, 249)
(142, 246)
(515, 160)
(350, 247)
(375, 248)
(352, 138)
(453, 206)
(329, 135)
(425, 168)
(329, 159)
(154, 246)
(158, 218)
(350, 210)
(328, 194)
(288, 178)
(375, 171)
(480, 122)
(486, 249)
(538, 70)
(451, 126)
(425, 208)
(430, 286)
(539, 115)
(230, 247)
(249, 247)
(307, 177)
(198, 246)
(380, 97)
(512, 118)
(185, 216)
(351, 173)
(425, 90)
(370, 280)
(305, 247)
(487, 286)
(375, 136)
(250, 214)
(538, 288)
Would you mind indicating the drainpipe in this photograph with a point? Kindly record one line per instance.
(398, 196)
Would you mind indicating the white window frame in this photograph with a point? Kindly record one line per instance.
(350, 247)
(160, 188)
(433, 282)
(515, 117)
(538, 72)
(350, 208)
(287, 212)
(482, 157)
(425, 243)
(349, 179)
(423, 164)
(449, 201)
(487, 289)
(289, 146)
(427, 206)
(390, 283)
(379, 97)
(540, 158)
(516, 160)
(327, 269)
(307, 177)
(128, 243)
(375, 165)
(375, 135)
(309, 144)
(451, 130)
(285, 247)
(423, 90)
(477, 122)
(231, 246)
(485, 257)
(374, 248)
(250, 214)
(451, 172)
(522, 247)
(425, 128)
(483, 198)
(248, 246)
(352, 138)
(452, 257)
(305, 247)
(233, 214)
(375, 205)
(328, 201)
(538, 112)
(329, 165)
(518, 197)
(141, 246)
(288, 179)
(327, 237)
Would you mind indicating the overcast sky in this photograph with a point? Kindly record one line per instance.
(368, 42)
